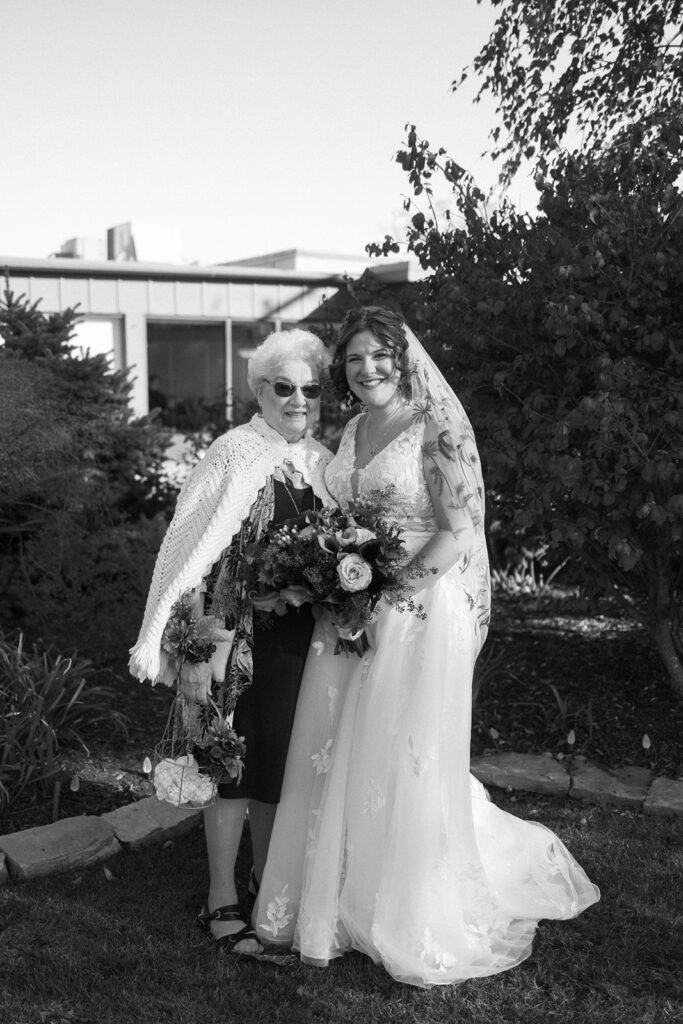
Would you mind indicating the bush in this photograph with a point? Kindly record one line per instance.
(75, 586)
(87, 490)
(45, 701)
(561, 334)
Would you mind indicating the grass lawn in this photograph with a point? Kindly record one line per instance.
(83, 948)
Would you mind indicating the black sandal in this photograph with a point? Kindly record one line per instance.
(228, 942)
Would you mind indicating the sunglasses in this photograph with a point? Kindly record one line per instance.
(285, 390)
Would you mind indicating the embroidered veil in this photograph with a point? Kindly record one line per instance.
(452, 460)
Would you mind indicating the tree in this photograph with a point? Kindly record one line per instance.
(564, 336)
(563, 333)
(84, 492)
(595, 66)
(73, 434)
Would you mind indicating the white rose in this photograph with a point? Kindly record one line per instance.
(354, 573)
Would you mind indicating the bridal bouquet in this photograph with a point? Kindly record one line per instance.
(340, 560)
(200, 748)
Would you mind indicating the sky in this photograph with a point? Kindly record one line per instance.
(255, 125)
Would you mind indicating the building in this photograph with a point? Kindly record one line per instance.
(185, 332)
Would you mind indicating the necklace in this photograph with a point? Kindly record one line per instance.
(384, 438)
(372, 448)
(282, 477)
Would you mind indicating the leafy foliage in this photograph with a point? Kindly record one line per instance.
(45, 700)
(82, 587)
(34, 434)
(593, 66)
(85, 494)
(562, 334)
(106, 459)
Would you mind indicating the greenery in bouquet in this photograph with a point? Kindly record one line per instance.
(219, 751)
(203, 748)
(342, 561)
(202, 751)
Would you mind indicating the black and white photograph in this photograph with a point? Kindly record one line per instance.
(341, 511)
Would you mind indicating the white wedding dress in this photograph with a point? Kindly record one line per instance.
(383, 841)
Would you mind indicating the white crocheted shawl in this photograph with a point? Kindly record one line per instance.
(212, 504)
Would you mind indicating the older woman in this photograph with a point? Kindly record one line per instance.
(253, 476)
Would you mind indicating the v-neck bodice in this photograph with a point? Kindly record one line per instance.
(398, 466)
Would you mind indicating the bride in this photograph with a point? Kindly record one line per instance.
(383, 841)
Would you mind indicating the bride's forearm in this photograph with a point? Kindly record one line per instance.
(438, 555)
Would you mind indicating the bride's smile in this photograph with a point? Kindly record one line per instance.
(371, 370)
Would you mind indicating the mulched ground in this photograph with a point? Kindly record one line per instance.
(553, 669)
(549, 670)
(106, 775)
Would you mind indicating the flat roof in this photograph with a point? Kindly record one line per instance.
(221, 273)
(319, 254)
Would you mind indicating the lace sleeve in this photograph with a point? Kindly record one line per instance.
(451, 466)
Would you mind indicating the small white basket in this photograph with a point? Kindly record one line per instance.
(178, 781)
(176, 777)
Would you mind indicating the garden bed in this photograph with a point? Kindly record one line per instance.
(555, 670)
(549, 669)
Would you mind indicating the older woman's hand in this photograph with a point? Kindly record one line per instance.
(195, 682)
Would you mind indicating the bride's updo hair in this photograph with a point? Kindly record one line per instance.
(285, 347)
(388, 328)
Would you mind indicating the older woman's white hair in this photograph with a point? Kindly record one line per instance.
(285, 346)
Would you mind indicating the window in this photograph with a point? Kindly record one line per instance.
(187, 374)
(101, 337)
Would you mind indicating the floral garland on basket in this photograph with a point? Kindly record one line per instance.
(341, 561)
(200, 747)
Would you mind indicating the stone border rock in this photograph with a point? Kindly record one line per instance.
(541, 773)
(79, 842)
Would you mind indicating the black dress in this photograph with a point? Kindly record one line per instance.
(264, 714)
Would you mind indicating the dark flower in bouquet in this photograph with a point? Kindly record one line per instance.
(189, 645)
(340, 560)
(190, 638)
(219, 751)
(189, 768)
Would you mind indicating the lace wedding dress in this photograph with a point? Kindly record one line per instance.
(383, 841)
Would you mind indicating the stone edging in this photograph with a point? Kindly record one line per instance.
(633, 787)
(79, 842)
